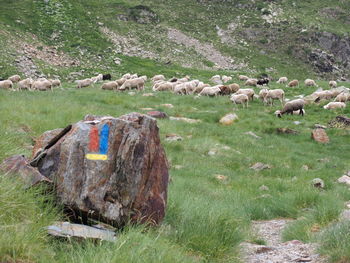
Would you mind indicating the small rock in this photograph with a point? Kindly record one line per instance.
(212, 152)
(347, 204)
(146, 109)
(228, 119)
(344, 180)
(260, 166)
(131, 93)
(319, 126)
(148, 95)
(225, 147)
(318, 183)
(178, 167)
(286, 131)
(188, 120)
(323, 160)
(253, 135)
(263, 249)
(305, 167)
(221, 177)
(345, 215)
(297, 122)
(170, 106)
(157, 114)
(173, 137)
(264, 188)
(303, 259)
(320, 135)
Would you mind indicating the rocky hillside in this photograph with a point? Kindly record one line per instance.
(76, 38)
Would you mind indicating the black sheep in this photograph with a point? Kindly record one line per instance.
(264, 81)
(107, 77)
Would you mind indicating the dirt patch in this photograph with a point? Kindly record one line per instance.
(206, 50)
(127, 45)
(276, 251)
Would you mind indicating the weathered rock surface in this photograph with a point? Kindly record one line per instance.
(340, 122)
(320, 135)
(228, 119)
(157, 114)
(110, 169)
(260, 166)
(318, 183)
(18, 165)
(68, 230)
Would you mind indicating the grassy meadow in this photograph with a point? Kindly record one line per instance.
(206, 218)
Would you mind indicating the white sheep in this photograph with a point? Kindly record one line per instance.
(240, 99)
(25, 84)
(262, 94)
(282, 80)
(157, 77)
(291, 106)
(310, 83)
(251, 82)
(55, 82)
(243, 77)
(210, 91)
(249, 92)
(342, 97)
(83, 83)
(138, 83)
(42, 85)
(15, 78)
(274, 94)
(6, 84)
(96, 79)
(332, 84)
(111, 85)
(334, 105)
(126, 76)
(163, 86)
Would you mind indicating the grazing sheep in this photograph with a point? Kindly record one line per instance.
(163, 86)
(323, 95)
(291, 106)
(225, 90)
(210, 91)
(251, 82)
(173, 79)
(137, 83)
(332, 84)
(293, 83)
(55, 82)
(121, 81)
(243, 78)
(240, 99)
(126, 76)
(264, 81)
(111, 85)
(180, 89)
(226, 79)
(282, 80)
(184, 79)
(334, 105)
(144, 77)
(234, 87)
(83, 83)
(310, 83)
(15, 78)
(6, 84)
(249, 92)
(25, 84)
(42, 85)
(134, 76)
(262, 94)
(158, 77)
(98, 78)
(106, 76)
(200, 87)
(343, 97)
(274, 94)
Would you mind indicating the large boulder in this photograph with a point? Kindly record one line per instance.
(110, 169)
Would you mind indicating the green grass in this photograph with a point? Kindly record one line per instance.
(206, 218)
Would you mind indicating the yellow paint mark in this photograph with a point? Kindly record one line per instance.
(96, 157)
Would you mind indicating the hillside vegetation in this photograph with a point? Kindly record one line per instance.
(213, 198)
(298, 38)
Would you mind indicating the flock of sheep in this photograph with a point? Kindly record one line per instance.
(185, 86)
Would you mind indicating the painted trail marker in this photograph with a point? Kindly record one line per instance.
(98, 145)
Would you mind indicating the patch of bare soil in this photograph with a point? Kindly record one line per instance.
(276, 251)
(206, 50)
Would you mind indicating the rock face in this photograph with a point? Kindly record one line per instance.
(320, 135)
(110, 169)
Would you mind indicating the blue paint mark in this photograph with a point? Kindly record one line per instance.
(104, 139)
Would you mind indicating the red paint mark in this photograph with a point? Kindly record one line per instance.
(94, 140)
